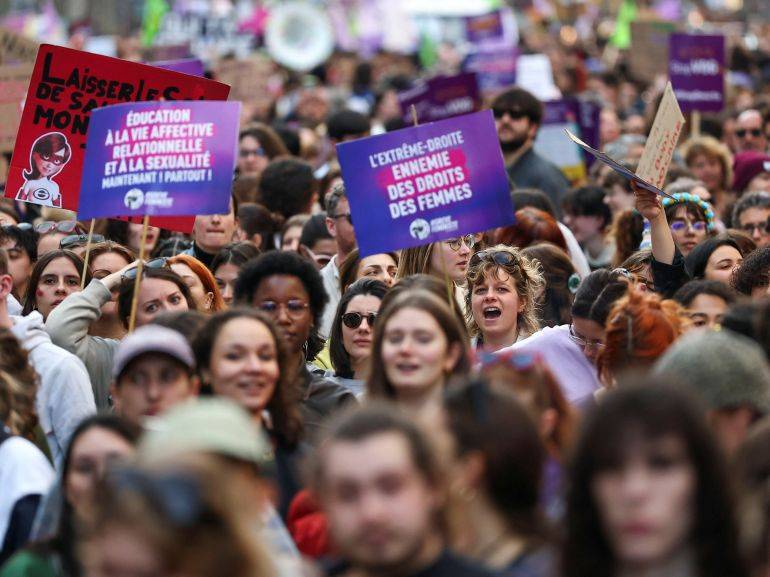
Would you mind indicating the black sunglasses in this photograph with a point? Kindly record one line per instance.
(160, 262)
(742, 132)
(79, 239)
(498, 113)
(354, 320)
(499, 257)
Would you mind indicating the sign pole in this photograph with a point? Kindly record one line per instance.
(695, 127)
(139, 267)
(87, 255)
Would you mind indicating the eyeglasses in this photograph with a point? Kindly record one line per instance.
(584, 342)
(681, 226)
(25, 226)
(160, 262)
(742, 132)
(499, 113)
(499, 257)
(245, 153)
(762, 227)
(74, 240)
(347, 216)
(354, 320)
(517, 360)
(62, 226)
(294, 308)
(456, 243)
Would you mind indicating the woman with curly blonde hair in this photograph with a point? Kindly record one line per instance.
(639, 329)
(503, 286)
(710, 161)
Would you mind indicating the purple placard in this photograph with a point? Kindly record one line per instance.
(441, 97)
(696, 65)
(159, 158)
(425, 184)
(191, 66)
(495, 68)
(485, 28)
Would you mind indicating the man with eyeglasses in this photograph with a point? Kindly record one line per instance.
(752, 215)
(749, 134)
(339, 223)
(518, 114)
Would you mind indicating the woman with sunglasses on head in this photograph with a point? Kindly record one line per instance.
(99, 442)
(228, 263)
(50, 234)
(648, 492)
(447, 258)
(161, 290)
(201, 282)
(500, 302)
(418, 344)
(240, 356)
(350, 341)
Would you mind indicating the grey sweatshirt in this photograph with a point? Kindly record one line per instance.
(68, 325)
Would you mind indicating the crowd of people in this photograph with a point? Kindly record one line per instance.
(583, 393)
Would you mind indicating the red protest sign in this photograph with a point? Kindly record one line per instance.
(183, 224)
(66, 85)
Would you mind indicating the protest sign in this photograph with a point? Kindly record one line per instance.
(616, 166)
(485, 28)
(534, 73)
(160, 158)
(191, 66)
(662, 140)
(425, 184)
(441, 97)
(648, 56)
(66, 86)
(558, 116)
(16, 48)
(14, 81)
(183, 224)
(696, 67)
(248, 79)
(495, 68)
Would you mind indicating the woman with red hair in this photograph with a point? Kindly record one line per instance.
(532, 225)
(203, 286)
(639, 329)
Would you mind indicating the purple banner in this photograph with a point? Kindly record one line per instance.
(425, 184)
(191, 66)
(495, 68)
(441, 97)
(696, 65)
(485, 28)
(159, 158)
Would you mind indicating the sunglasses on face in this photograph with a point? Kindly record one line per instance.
(499, 113)
(160, 262)
(755, 132)
(245, 153)
(354, 320)
(294, 308)
(456, 243)
(681, 225)
(75, 240)
(62, 226)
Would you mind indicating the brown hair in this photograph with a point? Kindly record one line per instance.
(710, 147)
(349, 268)
(639, 329)
(109, 246)
(22, 382)
(30, 302)
(527, 278)
(415, 260)
(627, 230)
(379, 386)
(555, 302)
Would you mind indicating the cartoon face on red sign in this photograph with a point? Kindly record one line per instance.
(66, 85)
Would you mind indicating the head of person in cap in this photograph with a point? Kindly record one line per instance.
(154, 370)
(752, 172)
(731, 374)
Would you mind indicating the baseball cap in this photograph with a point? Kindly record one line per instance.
(152, 339)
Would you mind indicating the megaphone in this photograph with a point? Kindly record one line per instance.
(299, 35)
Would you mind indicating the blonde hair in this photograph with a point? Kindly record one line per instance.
(712, 148)
(528, 280)
(415, 260)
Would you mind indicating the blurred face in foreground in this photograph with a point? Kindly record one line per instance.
(380, 508)
(646, 502)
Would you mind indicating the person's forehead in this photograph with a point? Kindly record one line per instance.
(755, 213)
(749, 118)
(364, 459)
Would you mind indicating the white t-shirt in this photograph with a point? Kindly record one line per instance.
(24, 471)
(43, 191)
